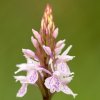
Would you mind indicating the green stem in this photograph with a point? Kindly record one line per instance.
(47, 97)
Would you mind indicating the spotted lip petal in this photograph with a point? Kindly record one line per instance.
(53, 84)
(63, 69)
(32, 77)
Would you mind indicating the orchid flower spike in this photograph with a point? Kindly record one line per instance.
(47, 66)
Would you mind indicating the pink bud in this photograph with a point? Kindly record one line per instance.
(37, 36)
(28, 53)
(35, 42)
(55, 33)
(47, 50)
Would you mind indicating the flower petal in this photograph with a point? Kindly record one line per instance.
(51, 64)
(67, 50)
(53, 84)
(29, 54)
(25, 67)
(22, 67)
(47, 82)
(22, 79)
(63, 69)
(65, 58)
(32, 77)
(43, 69)
(59, 43)
(31, 61)
(59, 49)
(66, 80)
(68, 91)
(22, 91)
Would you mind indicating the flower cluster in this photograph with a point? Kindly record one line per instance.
(47, 66)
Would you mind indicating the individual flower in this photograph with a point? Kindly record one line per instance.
(60, 60)
(33, 69)
(31, 78)
(61, 72)
(55, 84)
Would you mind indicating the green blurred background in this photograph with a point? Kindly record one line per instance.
(79, 24)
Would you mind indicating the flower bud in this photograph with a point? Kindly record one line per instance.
(34, 42)
(37, 36)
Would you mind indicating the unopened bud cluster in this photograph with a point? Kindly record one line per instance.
(47, 24)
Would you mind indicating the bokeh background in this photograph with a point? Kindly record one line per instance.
(79, 24)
